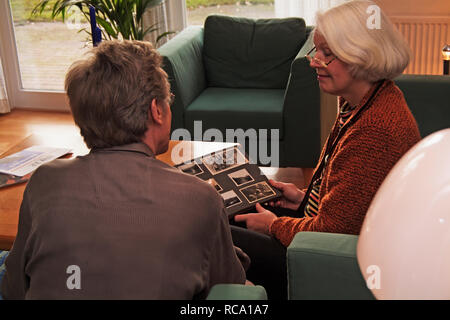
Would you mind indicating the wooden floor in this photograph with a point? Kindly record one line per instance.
(19, 124)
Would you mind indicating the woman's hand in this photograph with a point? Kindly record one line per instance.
(292, 196)
(259, 221)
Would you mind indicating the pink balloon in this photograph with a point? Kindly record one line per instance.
(404, 246)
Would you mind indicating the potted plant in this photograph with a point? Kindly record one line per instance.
(118, 19)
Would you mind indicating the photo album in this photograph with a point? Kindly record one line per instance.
(240, 183)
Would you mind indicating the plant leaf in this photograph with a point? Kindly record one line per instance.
(107, 26)
(118, 18)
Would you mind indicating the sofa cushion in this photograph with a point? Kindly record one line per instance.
(223, 108)
(324, 266)
(247, 53)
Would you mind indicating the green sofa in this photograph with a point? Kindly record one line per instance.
(320, 266)
(238, 73)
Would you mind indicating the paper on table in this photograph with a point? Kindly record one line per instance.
(28, 160)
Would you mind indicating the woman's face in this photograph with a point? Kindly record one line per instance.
(335, 78)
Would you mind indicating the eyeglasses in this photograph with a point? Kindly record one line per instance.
(311, 57)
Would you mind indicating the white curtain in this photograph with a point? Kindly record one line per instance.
(176, 15)
(305, 9)
(4, 104)
(169, 16)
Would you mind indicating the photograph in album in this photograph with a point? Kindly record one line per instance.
(241, 177)
(214, 184)
(224, 160)
(191, 168)
(240, 182)
(257, 192)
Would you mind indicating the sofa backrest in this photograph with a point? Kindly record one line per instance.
(248, 53)
(428, 97)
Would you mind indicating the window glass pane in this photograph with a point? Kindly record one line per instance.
(46, 48)
(198, 10)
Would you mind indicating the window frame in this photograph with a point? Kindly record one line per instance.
(18, 96)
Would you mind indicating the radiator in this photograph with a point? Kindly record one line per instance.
(426, 37)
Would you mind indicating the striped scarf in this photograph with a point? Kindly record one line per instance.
(312, 206)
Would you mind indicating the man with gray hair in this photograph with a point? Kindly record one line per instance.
(117, 223)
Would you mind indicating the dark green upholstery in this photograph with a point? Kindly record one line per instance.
(269, 85)
(247, 53)
(428, 97)
(324, 266)
(236, 292)
(183, 62)
(236, 106)
(321, 266)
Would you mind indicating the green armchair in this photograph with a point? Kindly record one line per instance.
(320, 266)
(238, 73)
(323, 266)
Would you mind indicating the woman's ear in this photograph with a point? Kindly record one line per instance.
(155, 112)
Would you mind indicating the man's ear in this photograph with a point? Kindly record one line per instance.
(155, 112)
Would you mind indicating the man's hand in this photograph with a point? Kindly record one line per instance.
(259, 221)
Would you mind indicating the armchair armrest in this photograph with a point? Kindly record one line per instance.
(301, 112)
(324, 266)
(183, 62)
(236, 292)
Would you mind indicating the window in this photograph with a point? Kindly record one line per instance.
(198, 10)
(45, 48)
(37, 51)
(36, 54)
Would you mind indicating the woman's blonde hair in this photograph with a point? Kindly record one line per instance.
(372, 51)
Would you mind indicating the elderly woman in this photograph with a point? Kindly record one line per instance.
(373, 129)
